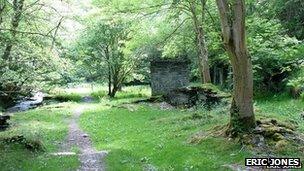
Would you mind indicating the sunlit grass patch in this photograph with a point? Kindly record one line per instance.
(158, 138)
(14, 157)
(147, 136)
(127, 92)
(46, 126)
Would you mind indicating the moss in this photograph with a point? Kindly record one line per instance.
(280, 145)
(278, 137)
(240, 125)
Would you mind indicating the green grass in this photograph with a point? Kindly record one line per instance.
(140, 136)
(149, 136)
(281, 107)
(68, 97)
(46, 125)
(143, 136)
(126, 93)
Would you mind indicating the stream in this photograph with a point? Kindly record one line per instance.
(27, 103)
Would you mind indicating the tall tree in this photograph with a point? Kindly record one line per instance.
(103, 48)
(232, 16)
(17, 6)
(200, 38)
(196, 11)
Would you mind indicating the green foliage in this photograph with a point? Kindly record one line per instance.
(296, 83)
(27, 60)
(302, 96)
(275, 55)
(290, 13)
(99, 94)
(103, 53)
(274, 52)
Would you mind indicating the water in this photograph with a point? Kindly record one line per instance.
(30, 103)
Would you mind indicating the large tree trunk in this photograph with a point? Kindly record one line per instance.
(232, 15)
(201, 44)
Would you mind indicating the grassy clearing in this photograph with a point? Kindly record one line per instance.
(45, 125)
(152, 137)
(141, 136)
(98, 92)
(67, 97)
(125, 93)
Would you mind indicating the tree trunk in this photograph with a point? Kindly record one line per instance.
(2, 8)
(232, 17)
(201, 45)
(221, 75)
(203, 57)
(18, 6)
(116, 86)
(109, 83)
(114, 91)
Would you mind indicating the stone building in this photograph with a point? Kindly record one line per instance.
(169, 74)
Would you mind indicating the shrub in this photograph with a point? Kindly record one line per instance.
(64, 97)
(99, 94)
(296, 86)
(302, 96)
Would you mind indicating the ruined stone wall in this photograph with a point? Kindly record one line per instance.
(167, 75)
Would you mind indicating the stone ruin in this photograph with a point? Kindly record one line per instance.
(170, 80)
(196, 95)
(168, 75)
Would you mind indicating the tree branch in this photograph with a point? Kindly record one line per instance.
(26, 32)
(174, 31)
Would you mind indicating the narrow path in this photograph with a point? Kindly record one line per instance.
(91, 160)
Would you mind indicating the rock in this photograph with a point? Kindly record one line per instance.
(258, 130)
(4, 121)
(278, 137)
(63, 154)
(149, 167)
(169, 74)
(285, 125)
(302, 115)
(258, 140)
(271, 130)
(191, 96)
(165, 106)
